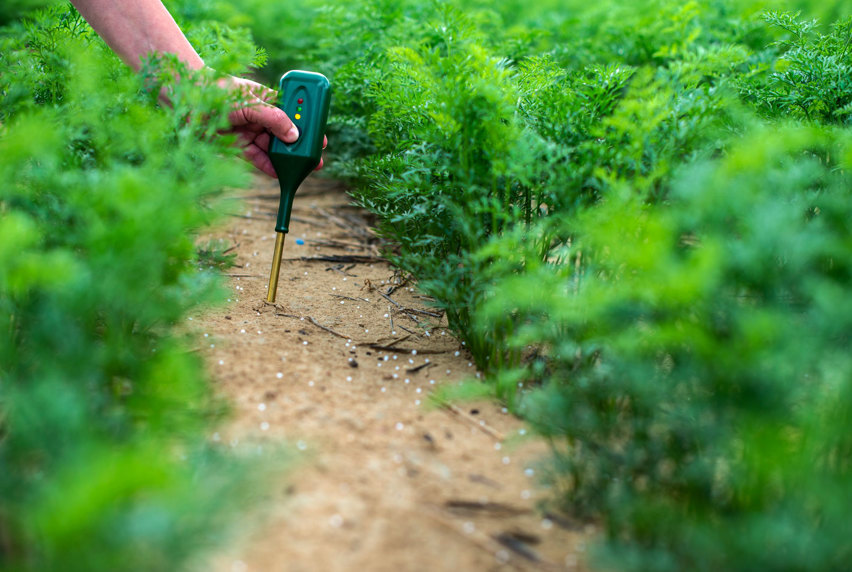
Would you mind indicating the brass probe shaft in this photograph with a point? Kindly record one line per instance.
(276, 267)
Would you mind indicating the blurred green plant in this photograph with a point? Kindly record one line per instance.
(105, 414)
(694, 368)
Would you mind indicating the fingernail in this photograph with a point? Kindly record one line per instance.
(292, 135)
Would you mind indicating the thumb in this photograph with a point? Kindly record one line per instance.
(273, 119)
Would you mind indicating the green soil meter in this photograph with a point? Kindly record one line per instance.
(304, 97)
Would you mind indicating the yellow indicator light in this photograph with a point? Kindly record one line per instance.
(298, 116)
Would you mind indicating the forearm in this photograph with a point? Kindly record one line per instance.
(136, 28)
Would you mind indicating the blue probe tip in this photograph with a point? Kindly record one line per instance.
(300, 241)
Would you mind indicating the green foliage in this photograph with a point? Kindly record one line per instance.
(635, 215)
(646, 271)
(216, 253)
(688, 405)
(104, 413)
(13, 9)
(813, 77)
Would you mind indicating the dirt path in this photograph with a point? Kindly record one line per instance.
(384, 483)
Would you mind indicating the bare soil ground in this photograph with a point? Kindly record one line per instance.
(342, 367)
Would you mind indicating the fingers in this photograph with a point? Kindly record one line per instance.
(263, 140)
(324, 145)
(268, 116)
(259, 159)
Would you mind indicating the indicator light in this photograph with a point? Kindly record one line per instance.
(298, 109)
(300, 100)
(298, 116)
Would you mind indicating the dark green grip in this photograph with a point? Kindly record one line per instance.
(305, 98)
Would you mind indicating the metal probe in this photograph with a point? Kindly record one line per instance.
(276, 267)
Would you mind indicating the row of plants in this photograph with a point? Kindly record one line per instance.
(634, 214)
(106, 461)
(636, 218)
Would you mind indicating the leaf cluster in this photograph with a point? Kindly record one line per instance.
(104, 413)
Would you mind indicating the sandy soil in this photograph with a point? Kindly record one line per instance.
(384, 482)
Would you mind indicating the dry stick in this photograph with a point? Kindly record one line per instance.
(334, 243)
(357, 259)
(479, 539)
(389, 299)
(419, 367)
(400, 340)
(423, 312)
(396, 287)
(381, 347)
(242, 275)
(314, 322)
(405, 310)
(485, 428)
(495, 509)
(406, 329)
(518, 546)
(337, 269)
(401, 308)
(348, 297)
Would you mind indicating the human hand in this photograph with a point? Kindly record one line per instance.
(255, 117)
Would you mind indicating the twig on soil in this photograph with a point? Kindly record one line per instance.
(338, 268)
(409, 311)
(406, 329)
(346, 258)
(393, 343)
(348, 297)
(334, 243)
(495, 509)
(314, 322)
(402, 309)
(391, 300)
(381, 347)
(419, 367)
(519, 546)
(424, 312)
(484, 427)
(479, 539)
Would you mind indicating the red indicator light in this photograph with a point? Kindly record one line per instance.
(300, 100)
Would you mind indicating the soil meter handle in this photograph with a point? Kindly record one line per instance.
(304, 97)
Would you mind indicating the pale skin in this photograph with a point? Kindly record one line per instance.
(138, 28)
